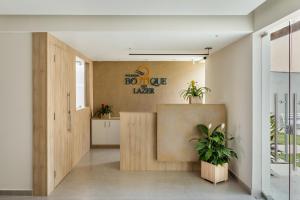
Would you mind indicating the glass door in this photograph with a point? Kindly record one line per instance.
(294, 140)
(281, 111)
(279, 106)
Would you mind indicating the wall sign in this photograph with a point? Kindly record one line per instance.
(141, 78)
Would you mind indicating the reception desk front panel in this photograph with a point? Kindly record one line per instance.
(176, 126)
(138, 145)
(161, 141)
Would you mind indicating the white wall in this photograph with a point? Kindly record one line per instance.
(228, 74)
(273, 10)
(16, 111)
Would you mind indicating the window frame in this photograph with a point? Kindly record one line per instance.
(78, 59)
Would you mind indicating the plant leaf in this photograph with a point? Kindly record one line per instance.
(208, 154)
(217, 127)
(203, 129)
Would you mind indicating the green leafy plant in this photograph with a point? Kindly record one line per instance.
(104, 109)
(273, 128)
(194, 90)
(280, 132)
(211, 145)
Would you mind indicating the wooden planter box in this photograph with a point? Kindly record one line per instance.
(214, 173)
(195, 100)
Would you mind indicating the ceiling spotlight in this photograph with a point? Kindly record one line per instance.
(208, 49)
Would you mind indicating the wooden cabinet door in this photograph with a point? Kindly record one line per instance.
(61, 135)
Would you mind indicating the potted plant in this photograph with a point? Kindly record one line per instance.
(280, 133)
(213, 153)
(194, 93)
(104, 111)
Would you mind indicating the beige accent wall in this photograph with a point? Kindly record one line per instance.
(110, 88)
(179, 122)
(229, 74)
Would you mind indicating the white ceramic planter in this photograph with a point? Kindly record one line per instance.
(106, 116)
(195, 100)
(214, 173)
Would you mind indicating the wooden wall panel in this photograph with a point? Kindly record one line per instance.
(62, 135)
(90, 96)
(138, 145)
(39, 61)
(56, 146)
(81, 134)
(51, 78)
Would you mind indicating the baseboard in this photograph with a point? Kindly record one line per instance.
(246, 187)
(105, 146)
(15, 192)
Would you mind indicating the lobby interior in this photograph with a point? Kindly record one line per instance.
(94, 104)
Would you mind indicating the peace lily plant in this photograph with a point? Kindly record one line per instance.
(213, 153)
(194, 93)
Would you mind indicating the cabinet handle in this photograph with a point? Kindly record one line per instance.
(69, 126)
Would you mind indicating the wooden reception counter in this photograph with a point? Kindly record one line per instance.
(160, 141)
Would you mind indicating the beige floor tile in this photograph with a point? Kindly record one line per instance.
(98, 177)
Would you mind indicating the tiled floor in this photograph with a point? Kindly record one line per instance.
(280, 182)
(97, 176)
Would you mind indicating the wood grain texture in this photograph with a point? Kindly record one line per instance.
(106, 146)
(90, 96)
(81, 134)
(51, 79)
(39, 61)
(214, 173)
(138, 145)
(178, 123)
(59, 139)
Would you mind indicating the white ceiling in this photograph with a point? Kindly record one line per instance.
(100, 29)
(128, 7)
(115, 45)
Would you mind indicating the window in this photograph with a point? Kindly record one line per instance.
(80, 83)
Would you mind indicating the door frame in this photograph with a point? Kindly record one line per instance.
(257, 103)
